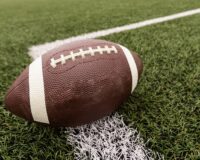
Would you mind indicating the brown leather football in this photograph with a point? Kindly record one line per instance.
(75, 84)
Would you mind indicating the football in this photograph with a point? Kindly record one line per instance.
(75, 84)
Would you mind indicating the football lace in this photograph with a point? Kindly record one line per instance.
(82, 53)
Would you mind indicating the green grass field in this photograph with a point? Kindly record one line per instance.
(165, 106)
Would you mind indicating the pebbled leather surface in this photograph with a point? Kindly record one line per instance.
(17, 97)
(85, 90)
(80, 91)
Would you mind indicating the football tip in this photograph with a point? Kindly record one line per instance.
(16, 99)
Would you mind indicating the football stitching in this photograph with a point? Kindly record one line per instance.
(75, 48)
(82, 53)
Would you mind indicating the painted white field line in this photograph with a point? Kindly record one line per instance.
(109, 139)
(36, 51)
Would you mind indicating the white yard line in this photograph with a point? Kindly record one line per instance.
(36, 51)
(109, 139)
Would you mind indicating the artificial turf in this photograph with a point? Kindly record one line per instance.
(165, 106)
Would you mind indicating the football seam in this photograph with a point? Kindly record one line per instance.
(91, 61)
(82, 53)
(46, 65)
(8, 93)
